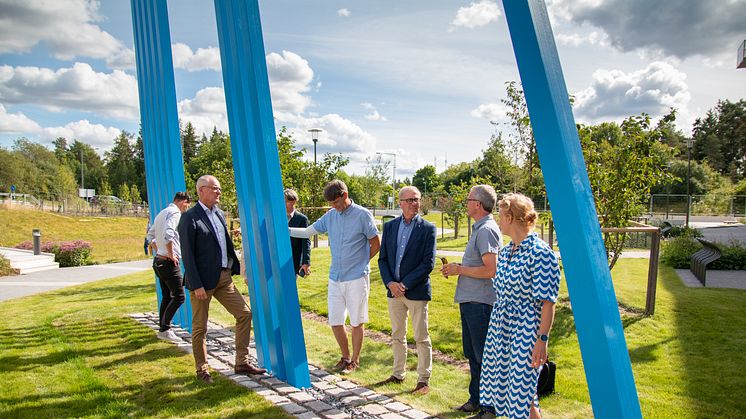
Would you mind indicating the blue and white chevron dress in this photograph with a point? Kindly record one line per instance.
(524, 279)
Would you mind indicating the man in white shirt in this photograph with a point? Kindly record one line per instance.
(164, 238)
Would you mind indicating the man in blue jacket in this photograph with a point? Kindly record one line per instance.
(406, 260)
(209, 263)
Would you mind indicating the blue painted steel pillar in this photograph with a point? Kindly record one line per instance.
(256, 164)
(594, 305)
(164, 164)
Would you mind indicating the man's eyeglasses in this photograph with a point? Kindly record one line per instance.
(214, 188)
(472, 199)
(410, 200)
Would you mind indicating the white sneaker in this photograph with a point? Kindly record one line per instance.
(169, 335)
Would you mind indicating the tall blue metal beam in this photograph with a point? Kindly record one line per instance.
(256, 165)
(594, 305)
(164, 164)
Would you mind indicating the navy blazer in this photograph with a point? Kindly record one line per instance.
(200, 250)
(418, 260)
(301, 247)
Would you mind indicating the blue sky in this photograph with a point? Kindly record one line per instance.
(422, 79)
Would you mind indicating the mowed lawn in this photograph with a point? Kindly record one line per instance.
(685, 358)
(114, 239)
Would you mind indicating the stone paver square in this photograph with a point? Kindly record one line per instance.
(301, 397)
(392, 416)
(272, 381)
(363, 392)
(285, 389)
(307, 415)
(338, 392)
(349, 385)
(375, 409)
(318, 406)
(322, 385)
(415, 414)
(278, 400)
(293, 408)
(397, 407)
(353, 400)
(335, 414)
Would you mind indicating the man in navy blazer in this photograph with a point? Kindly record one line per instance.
(209, 263)
(301, 247)
(407, 257)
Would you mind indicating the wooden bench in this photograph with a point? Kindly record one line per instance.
(708, 254)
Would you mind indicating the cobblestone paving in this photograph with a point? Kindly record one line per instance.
(330, 396)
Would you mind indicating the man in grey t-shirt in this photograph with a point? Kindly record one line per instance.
(474, 292)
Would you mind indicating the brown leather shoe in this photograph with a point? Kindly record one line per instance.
(391, 380)
(204, 376)
(248, 369)
(421, 388)
(351, 366)
(342, 364)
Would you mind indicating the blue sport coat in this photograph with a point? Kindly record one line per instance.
(418, 260)
(200, 250)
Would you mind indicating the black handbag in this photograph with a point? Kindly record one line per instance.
(545, 385)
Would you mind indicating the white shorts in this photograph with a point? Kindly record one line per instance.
(348, 297)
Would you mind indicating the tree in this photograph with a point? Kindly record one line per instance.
(135, 197)
(496, 168)
(425, 179)
(720, 138)
(189, 142)
(120, 164)
(623, 165)
(124, 193)
(521, 140)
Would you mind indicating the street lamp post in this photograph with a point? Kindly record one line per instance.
(689, 144)
(393, 176)
(315, 137)
(82, 178)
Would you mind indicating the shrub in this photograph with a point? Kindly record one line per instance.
(733, 258)
(72, 253)
(5, 268)
(678, 251)
(684, 232)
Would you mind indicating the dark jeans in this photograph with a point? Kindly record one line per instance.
(475, 320)
(172, 288)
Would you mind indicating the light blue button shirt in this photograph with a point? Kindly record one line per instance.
(349, 234)
(402, 238)
(219, 232)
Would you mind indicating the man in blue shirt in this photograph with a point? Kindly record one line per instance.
(406, 260)
(353, 239)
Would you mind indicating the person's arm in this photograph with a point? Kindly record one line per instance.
(485, 271)
(169, 235)
(187, 234)
(383, 261)
(305, 258)
(150, 235)
(375, 245)
(420, 274)
(303, 233)
(539, 354)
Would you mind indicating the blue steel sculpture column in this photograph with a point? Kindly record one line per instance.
(594, 305)
(164, 164)
(267, 255)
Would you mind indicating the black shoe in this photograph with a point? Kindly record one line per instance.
(467, 407)
(390, 380)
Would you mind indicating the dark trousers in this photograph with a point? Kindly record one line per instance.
(172, 288)
(475, 320)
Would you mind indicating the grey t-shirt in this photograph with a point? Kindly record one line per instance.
(485, 238)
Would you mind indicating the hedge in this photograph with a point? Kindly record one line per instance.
(71, 253)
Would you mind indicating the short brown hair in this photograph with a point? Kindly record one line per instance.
(291, 195)
(182, 196)
(334, 190)
(520, 207)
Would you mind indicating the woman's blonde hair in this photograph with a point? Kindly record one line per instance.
(520, 207)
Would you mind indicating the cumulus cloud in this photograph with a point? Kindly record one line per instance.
(493, 112)
(373, 115)
(343, 12)
(201, 59)
(206, 110)
(78, 87)
(593, 38)
(682, 28)
(289, 78)
(615, 94)
(16, 123)
(476, 14)
(96, 135)
(66, 27)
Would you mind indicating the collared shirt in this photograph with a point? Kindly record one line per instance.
(349, 234)
(485, 238)
(219, 231)
(291, 215)
(402, 238)
(163, 230)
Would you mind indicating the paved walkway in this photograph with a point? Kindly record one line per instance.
(715, 279)
(22, 285)
(330, 396)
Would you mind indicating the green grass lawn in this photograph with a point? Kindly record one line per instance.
(675, 354)
(74, 353)
(114, 239)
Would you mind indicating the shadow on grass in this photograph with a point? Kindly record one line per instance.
(103, 293)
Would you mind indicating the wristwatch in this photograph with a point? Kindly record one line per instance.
(543, 338)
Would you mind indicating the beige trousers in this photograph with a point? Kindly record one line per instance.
(399, 308)
(227, 295)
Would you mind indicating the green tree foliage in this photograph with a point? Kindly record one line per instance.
(496, 168)
(189, 142)
(120, 161)
(425, 179)
(124, 193)
(135, 197)
(720, 138)
(623, 163)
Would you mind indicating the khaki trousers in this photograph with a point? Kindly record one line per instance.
(398, 310)
(227, 295)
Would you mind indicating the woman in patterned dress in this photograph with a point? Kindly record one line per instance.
(526, 283)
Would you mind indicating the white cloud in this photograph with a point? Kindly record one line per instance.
(289, 77)
(206, 110)
(78, 87)
(493, 112)
(476, 14)
(616, 94)
(96, 135)
(576, 40)
(16, 123)
(66, 27)
(343, 12)
(202, 59)
(373, 115)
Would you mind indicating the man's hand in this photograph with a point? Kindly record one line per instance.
(200, 293)
(306, 268)
(450, 269)
(397, 289)
(174, 258)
